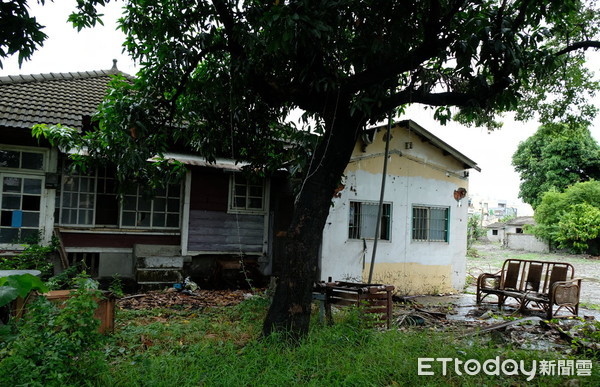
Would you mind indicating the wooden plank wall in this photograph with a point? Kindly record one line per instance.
(223, 232)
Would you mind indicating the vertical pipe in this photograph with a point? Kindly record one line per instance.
(380, 208)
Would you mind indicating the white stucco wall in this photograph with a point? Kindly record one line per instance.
(412, 266)
(527, 242)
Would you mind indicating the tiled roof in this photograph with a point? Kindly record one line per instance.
(26, 100)
(521, 220)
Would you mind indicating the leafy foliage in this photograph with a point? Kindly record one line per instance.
(555, 157)
(474, 230)
(221, 77)
(54, 345)
(19, 285)
(571, 219)
(34, 257)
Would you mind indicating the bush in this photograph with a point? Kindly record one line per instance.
(34, 257)
(54, 345)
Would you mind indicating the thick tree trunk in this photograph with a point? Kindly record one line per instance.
(290, 310)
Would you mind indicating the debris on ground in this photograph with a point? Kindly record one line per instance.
(179, 300)
(529, 332)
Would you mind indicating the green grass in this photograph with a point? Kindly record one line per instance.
(220, 347)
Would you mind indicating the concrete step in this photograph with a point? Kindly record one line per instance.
(160, 262)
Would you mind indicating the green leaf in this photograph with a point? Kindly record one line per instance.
(7, 294)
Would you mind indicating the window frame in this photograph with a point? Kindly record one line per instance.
(425, 224)
(231, 209)
(95, 176)
(354, 231)
(21, 194)
(21, 150)
(152, 210)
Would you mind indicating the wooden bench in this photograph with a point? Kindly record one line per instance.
(538, 285)
(375, 299)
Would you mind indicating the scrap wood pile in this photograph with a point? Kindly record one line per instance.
(189, 300)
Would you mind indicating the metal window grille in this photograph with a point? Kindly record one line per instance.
(363, 220)
(430, 224)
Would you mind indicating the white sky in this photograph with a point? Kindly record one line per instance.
(67, 50)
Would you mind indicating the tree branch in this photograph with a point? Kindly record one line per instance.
(578, 46)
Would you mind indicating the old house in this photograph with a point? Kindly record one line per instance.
(216, 223)
(422, 235)
(209, 225)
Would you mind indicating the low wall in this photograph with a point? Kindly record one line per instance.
(527, 242)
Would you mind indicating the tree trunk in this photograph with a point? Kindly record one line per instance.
(290, 310)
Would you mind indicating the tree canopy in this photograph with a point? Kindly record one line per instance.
(555, 157)
(571, 219)
(222, 76)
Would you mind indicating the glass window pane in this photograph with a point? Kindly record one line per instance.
(129, 203)
(31, 235)
(173, 220)
(239, 202)
(32, 161)
(143, 219)
(173, 205)
(86, 201)
(175, 190)
(6, 218)
(158, 220)
(31, 203)
(85, 217)
(9, 235)
(160, 192)
(240, 190)
(31, 219)
(160, 205)
(70, 183)
(33, 186)
(256, 190)
(11, 202)
(11, 184)
(66, 199)
(255, 203)
(9, 159)
(128, 219)
(144, 204)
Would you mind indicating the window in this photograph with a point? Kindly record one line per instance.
(21, 160)
(247, 195)
(20, 205)
(363, 220)
(430, 224)
(77, 200)
(494, 232)
(160, 212)
(519, 230)
(91, 200)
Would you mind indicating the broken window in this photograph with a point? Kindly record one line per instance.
(430, 223)
(20, 206)
(363, 220)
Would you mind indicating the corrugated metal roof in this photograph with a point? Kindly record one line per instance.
(54, 98)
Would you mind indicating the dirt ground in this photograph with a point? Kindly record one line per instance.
(492, 255)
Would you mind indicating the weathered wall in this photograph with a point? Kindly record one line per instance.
(495, 238)
(527, 242)
(223, 232)
(422, 175)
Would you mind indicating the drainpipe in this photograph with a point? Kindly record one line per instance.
(380, 207)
